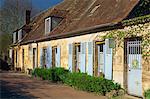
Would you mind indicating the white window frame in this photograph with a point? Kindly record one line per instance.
(14, 37)
(49, 25)
(19, 34)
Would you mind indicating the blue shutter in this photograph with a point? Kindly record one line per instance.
(83, 57)
(108, 60)
(104, 58)
(49, 57)
(90, 58)
(58, 56)
(70, 57)
(41, 57)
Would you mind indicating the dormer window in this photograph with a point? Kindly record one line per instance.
(14, 37)
(51, 23)
(17, 36)
(47, 25)
(20, 35)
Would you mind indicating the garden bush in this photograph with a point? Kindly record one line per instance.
(53, 74)
(85, 82)
(147, 94)
(80, 81)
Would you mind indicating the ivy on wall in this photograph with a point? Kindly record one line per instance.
(136, 20)
(135, 31)
(139, 30)
(141, 9)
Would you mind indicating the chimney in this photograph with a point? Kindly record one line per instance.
(28, 12)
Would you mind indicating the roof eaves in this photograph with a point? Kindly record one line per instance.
(94, 29)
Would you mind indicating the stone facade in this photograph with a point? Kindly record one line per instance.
(119, 68)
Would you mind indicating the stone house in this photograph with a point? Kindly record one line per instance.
(97, 37)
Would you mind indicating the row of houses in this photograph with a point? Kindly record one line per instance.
(96, 37)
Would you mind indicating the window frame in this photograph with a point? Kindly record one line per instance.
(47, 28)
(50, 27)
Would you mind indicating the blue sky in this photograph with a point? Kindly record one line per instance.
(44, 4)
(41, 4)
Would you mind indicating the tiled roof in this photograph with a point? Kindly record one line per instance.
(80, 14)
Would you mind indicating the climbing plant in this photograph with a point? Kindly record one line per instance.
(138, 30)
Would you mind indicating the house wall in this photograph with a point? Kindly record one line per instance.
(143, 30)
(119, 68)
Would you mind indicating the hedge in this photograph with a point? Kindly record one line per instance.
(53, 74)
(89, 83)
(81, 81)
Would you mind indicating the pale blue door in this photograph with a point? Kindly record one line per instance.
(70, 56)
(83, 58)
(134, 58)
(41, 57)
(49, 57)
(108, 60)
(90, 58)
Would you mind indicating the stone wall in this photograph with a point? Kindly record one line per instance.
(119, 69)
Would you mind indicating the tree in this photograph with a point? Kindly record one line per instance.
(141, 9)
(12, 17)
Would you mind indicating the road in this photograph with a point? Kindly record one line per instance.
(21, 86)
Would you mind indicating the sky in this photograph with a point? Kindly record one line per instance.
(44, 4)
(41, 4)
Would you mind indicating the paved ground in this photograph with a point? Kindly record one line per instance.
(20, 86)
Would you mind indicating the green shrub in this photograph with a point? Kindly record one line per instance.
(58, 74)
(147, 94)
(78, 80)
(85, 82)
(53, 74)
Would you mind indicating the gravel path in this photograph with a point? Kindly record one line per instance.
(21, 86)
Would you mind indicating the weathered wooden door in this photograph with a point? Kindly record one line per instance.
(23, 60)
(78, 57)
(34, 58)
(134, 67)
(53, 56)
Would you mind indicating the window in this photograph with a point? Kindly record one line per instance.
(135, 49)
(14, 37)
(79, 48)
(44, 56)
(56, 50)
(20, 34)
(47, 25)
(55, 22)
(51, 23)
(101, 48)
(17, 35)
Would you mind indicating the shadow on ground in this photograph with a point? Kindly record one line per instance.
(12, 92)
